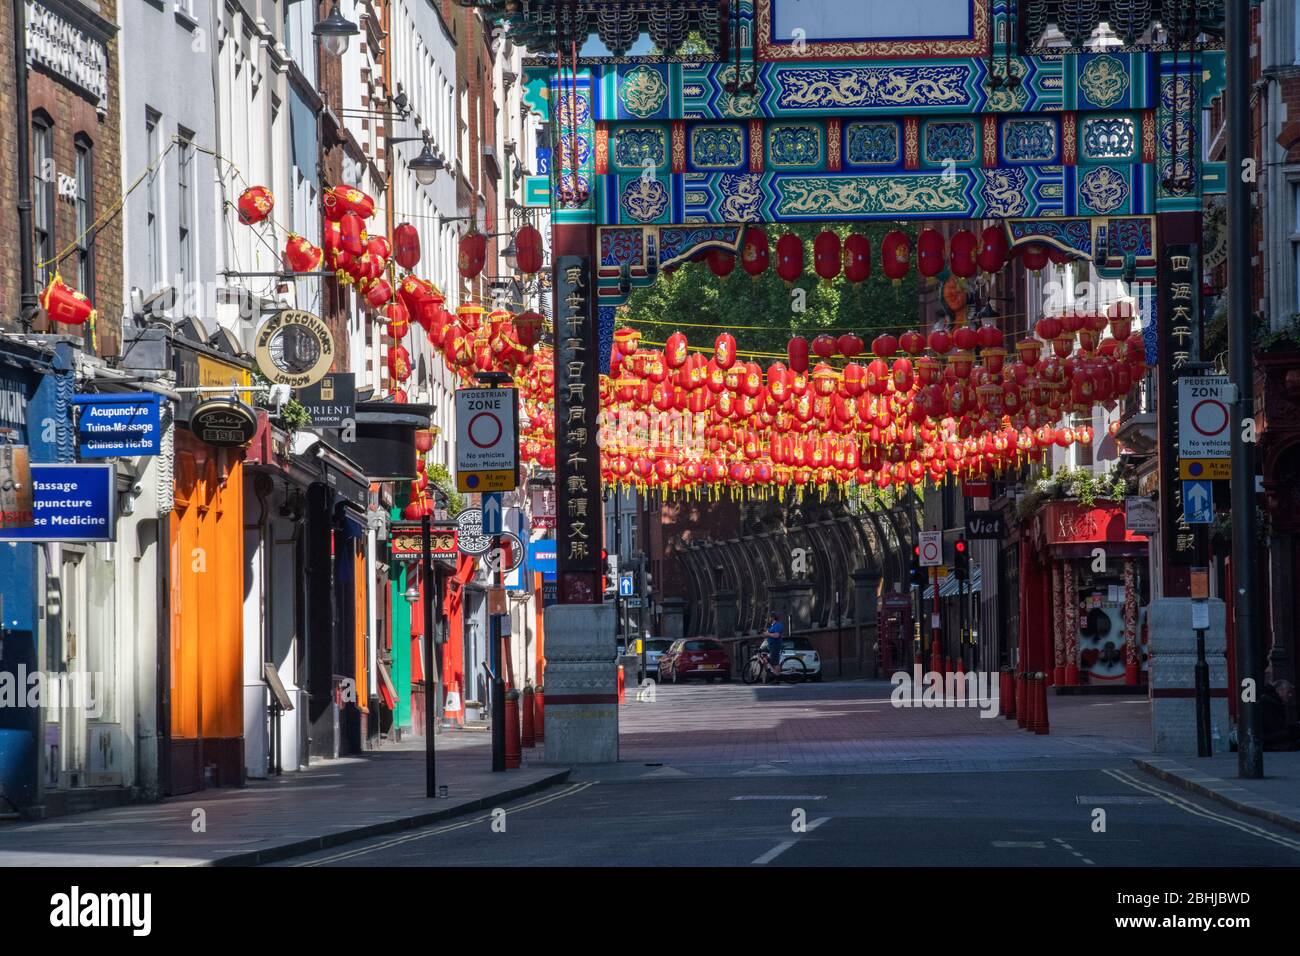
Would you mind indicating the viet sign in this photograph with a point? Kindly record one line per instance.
(119, 424)
(487, 439)
(70, 503)
(985, 525)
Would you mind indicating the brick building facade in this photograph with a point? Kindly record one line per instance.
(76, 160)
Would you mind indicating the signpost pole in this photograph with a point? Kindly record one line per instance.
(498, 681)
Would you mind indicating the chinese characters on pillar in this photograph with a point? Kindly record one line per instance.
(1179, 308)
(577, 457)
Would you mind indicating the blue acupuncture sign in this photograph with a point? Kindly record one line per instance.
(71, 503)
(113, 425)
(1198, 502)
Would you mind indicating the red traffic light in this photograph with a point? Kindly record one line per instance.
(960, 546)
(917, 550)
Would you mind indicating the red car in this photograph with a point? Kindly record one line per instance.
(695, 657)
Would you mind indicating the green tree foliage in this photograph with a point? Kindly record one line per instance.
(760, 312)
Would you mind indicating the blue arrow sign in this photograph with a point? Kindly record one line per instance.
(625, 585)
(493, 514)
(1198, 502)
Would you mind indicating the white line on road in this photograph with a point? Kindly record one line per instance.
(1019, 844)
(778, 796)
(781, 847)
(1194, 810)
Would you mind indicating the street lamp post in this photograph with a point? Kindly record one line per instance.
(334, 31)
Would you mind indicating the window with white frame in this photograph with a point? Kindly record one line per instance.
(184, 204)
(153, 201)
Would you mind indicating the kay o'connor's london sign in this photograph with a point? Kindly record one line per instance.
(294, 348)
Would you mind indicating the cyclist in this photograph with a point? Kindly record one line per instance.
(774, 636)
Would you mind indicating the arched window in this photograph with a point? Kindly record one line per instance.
(85, 202)
(43, 180)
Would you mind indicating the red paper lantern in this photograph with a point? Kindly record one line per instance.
(1048, 327)
(797, 352)
(966, 338)
(724, 350)
(406, 245)
(857, 258)
(850, 345)
(342, 200)
(254, 204)
(64, 304)
(754, 256)
(1033, 255)
(962, 251)
(929, 253)
(896, 255)
(675, 350)
(912, 342)
(351, 227)
(528, 250)
(721, 262)
(827, 255)
(825, 346)
(884, 346)
(399, 363)
(300, 255)
(473, 254)
(379, 293)
(940, 341)
(789, 257)
(528, 327)
(993, 249)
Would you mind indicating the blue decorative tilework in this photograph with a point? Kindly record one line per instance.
(795, 146)
(872, 144)
(644, 200)
(638, 147)
(717, 147)
(1103, 189)
(1029, 140)
(1109, 137)
(951, 142)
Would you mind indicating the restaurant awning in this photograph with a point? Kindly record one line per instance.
(948, 587)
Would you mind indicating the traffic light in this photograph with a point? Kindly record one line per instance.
(916, 575)
(960, 559)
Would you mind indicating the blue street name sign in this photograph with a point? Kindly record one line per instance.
(114, 425)
(1198, 502)
(71, 503)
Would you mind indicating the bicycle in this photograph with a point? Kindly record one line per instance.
(758, 667)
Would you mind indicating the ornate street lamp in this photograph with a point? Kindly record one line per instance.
(335, 31)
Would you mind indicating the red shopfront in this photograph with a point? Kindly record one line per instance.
(1083, 585)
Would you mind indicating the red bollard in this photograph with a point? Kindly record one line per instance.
(1040, 706)
(539, 713)
(529, 736)
(620, 683)
(936, 657)
(513, 754)
(1022, 699)
(1007, 692)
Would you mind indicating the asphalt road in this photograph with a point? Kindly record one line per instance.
(1074, 800)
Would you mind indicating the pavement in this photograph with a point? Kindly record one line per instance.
(330, 803)
(1275, 797)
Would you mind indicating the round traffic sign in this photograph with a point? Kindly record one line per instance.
(929, 551)
(1210, 417)
(485, 430)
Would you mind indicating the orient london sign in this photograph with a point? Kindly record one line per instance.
(55, 45)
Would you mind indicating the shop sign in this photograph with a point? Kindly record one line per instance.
(119, 424)
(985, 526)
(1180, 309)
(294, 348)
(331, 401)
(1075, 523)
(1141, 514)
(15, 487)
(56, 45)
(70, 503)
(406, 541)
(541, 556)
(223, 422)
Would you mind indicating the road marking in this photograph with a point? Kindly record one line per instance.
(779, 796)
(1020, 844)
(781, 847)
(1196, 811)
(773, 853)
(421, 834)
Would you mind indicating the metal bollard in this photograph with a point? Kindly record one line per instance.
(1007, 692)
(1022, 699)
(529, 736)
(620, 683)
(1040, 706)
(513, 755)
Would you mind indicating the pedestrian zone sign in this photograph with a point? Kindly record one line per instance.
(487, 439)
